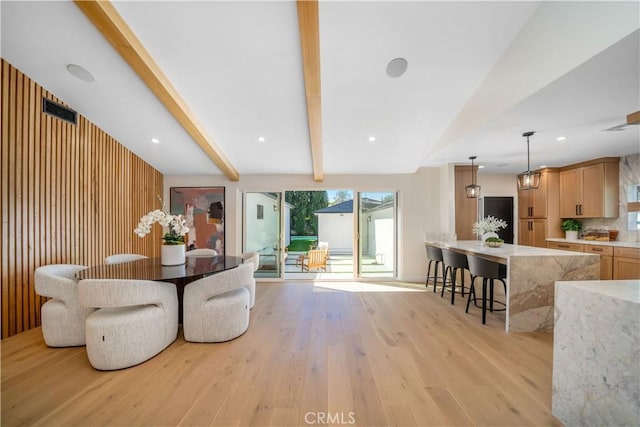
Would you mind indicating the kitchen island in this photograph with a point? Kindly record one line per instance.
(596, 345)
(531, 276)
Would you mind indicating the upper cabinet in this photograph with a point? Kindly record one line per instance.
(590, 189)
(539, 202)
(538, 210)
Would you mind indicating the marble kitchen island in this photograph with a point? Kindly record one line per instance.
(531, 276)
(596, 353)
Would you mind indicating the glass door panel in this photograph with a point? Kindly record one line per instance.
(377, 234)
(262, 231)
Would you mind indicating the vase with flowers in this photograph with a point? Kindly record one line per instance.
(173, 250)
(488, 227)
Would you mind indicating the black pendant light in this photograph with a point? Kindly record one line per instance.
(528, 180)
(473, 190)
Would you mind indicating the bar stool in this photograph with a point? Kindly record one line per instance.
(434, 254)
(453, 261)
(489, 271)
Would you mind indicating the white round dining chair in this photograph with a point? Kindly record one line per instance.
(122, 258)
(202, 253)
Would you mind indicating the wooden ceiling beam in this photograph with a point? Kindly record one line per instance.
(308, 23)
(109, 22)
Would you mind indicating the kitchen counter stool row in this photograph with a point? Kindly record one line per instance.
(451, 263)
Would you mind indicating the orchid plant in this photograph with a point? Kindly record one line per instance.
(176, 224)
(489, 224)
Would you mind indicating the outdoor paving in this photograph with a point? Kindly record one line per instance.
(339, 266)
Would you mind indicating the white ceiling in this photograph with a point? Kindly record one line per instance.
(479, 74)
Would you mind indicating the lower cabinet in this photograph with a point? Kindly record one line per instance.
(626, 264)
(532, 232)
(615, 263)
(606, 259)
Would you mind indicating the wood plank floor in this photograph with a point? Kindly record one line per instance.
(312, 355)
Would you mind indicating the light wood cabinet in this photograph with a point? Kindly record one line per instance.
(615, 263)
(532, 232)
(466, 209)
(539, 212)
(533, 203)
(590, 189)
(606, 259)
(575, 247)
(626, 264)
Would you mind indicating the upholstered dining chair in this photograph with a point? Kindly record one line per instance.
(216, 307)
(122, 258)
(204, 252)
(63, 316)
(254, 259)
(135, 320)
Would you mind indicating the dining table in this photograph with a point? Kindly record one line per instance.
(195, 267)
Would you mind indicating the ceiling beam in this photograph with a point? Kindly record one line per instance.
(109, 22)
(310, 44)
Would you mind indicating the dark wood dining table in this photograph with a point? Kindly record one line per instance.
(152, 269)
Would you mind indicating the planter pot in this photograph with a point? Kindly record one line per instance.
(173, 254)
(571, 235)
(485, 236)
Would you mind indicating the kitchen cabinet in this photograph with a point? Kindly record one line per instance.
(616, 263)
(466, 212)
(575, 247)
(539, 212)
(590, 189)
(606, 259)
(626, 263)
(533, 203)
(532, 232)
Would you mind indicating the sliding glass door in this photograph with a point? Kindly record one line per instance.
(262, 223)
(377, 234)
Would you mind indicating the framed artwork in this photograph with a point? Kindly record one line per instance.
(260, 212)
(203, 210)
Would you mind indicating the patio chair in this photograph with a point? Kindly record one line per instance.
(315, 259)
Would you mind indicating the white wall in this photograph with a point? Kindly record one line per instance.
(379, 236)
(337, 230)
(418, 207)
(262, 236)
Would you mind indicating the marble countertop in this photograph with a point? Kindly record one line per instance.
(628, 290)
(599, 243)
(502, 253)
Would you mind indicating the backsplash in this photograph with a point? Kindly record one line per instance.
(629, 175)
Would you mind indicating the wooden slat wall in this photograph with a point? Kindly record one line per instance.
(70, 194)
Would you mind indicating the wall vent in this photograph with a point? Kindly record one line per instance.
(56, 110)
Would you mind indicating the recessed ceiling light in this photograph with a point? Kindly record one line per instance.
(561, 138)
(81, 73)
(396, 67)
(155, 140)
(372, 138)
(543, 166)
(480, 166)
(261, 139)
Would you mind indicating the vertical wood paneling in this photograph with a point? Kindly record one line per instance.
(70, 194)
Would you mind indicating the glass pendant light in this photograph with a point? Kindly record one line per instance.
(528, 180)
(473, 190)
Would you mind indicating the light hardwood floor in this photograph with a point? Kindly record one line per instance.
(376, 358)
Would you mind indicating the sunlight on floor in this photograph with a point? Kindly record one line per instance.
(361, 287)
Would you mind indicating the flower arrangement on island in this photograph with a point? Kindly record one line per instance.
(489, 224)
(176, 224)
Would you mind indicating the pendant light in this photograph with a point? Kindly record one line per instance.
(473, 190)
(528, 180)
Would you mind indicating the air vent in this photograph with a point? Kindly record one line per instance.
(56, 110)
